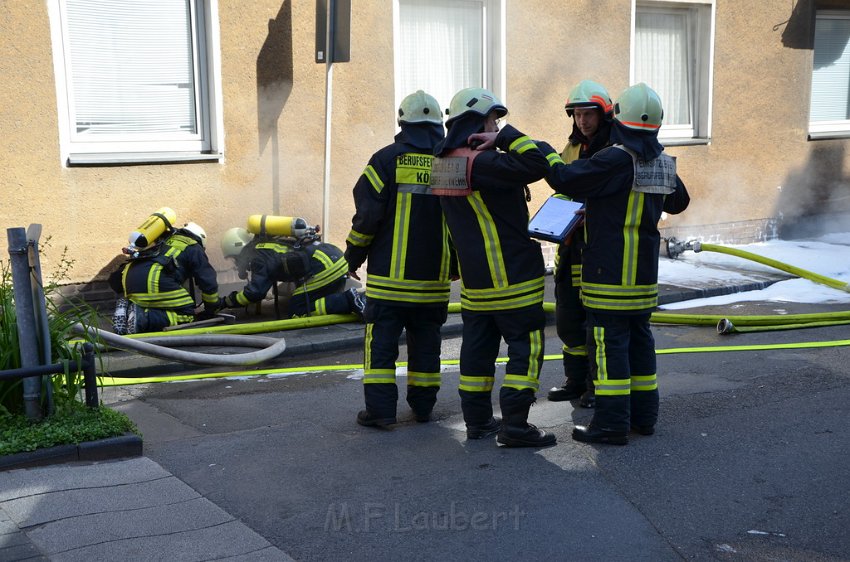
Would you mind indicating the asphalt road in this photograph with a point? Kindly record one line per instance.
(749, 461)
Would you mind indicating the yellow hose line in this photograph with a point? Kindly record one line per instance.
(258, 327)
(755, 320)
(749, 329)
(805, 274)
(112, 381)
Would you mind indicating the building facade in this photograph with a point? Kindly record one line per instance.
(112, 109)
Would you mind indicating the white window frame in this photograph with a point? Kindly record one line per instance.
(493, 51)
(839, 128)
(120, 149)
(701, 21)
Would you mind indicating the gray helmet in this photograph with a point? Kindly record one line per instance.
(475, 100)
(639, 108)
(234, 240)
(199, 232)
(420, 107)
(588, 93)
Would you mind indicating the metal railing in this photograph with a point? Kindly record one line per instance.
(86, 364)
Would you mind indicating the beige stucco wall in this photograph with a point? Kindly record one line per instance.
(274, 119)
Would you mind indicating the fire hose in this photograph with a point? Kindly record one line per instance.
(732, 324)
(212, 335)
(158, 346)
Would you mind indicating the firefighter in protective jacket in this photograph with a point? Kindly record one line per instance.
(318, 270)
(482, 174)
(626, 187)
(590, 110)
(153, 279)
(398, 225)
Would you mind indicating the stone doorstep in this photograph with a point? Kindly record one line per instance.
(122, 446)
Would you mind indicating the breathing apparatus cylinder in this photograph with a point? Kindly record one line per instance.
(278, 226)
(153, 227)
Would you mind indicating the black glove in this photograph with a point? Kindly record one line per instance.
(210, 308)
(230, 301)
(545, 147)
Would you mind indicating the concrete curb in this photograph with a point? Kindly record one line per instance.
(122, 446)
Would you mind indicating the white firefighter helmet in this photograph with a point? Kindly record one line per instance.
(588, 93)
(199, 232)
(420, 107)
(476, 100)
(234, 240)
(639, 108)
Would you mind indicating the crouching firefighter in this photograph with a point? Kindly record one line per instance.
(152, 281)
(318, 270)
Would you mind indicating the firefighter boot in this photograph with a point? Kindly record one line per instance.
(364, 417)
(610, 423)
(576, 369)
(478, 414)
(421, 400)
(644, 410)
(570, 390)
(517, 432)
(594, 434)
(356, 302)
(588, 399)
(381, 401)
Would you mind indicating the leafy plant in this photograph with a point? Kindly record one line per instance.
(11, 393)
(72, 421)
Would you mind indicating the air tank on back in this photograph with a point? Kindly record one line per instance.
(154, 226)
(273, 225)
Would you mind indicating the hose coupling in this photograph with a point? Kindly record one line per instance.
(725, 326)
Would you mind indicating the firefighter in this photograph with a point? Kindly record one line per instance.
(590, 109)
(152, 282)
(399, 227)
(501, 268)
(626, 187)
(318, 270)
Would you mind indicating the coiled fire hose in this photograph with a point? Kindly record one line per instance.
(157, 346)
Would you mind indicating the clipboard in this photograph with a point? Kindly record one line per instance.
(555, 220)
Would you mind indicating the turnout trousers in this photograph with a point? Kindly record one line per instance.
(570, 317)
(330, 299)
(622, 358)
(522, 331)
(384, 325)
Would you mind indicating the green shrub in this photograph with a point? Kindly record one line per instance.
(71, 421)
(74, 424)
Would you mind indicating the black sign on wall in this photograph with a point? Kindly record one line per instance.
(339, 29)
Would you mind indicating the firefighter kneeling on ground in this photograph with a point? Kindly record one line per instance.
(318, 269)
(151, 282)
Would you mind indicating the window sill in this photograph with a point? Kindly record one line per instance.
(829, 135)
(684, 142)
(133, 158)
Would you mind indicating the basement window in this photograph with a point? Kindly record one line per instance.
(137, 82)
(672, 54)
(829, 112)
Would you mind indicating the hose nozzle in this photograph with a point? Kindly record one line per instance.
(676, 247)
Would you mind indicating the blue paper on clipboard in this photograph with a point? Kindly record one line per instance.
(555, 220)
